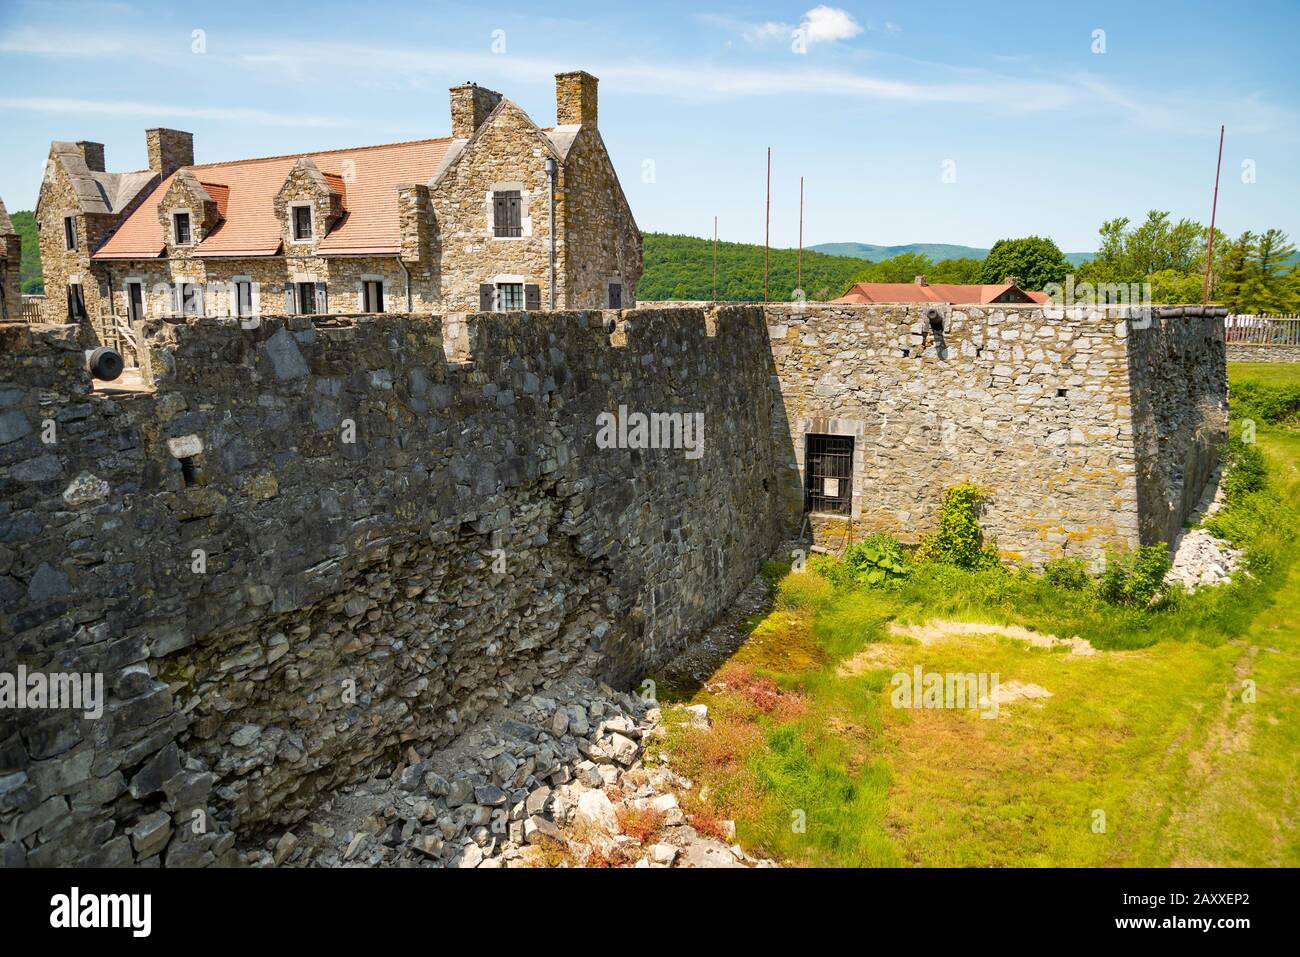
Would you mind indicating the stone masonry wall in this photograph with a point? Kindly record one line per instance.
(274, 607)
(11, 252)
(1248, 352)
(1039, 410)
(1179, 387)
(498, 158)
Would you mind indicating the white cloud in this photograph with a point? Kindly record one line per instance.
(52, 104)
(765, 32)
(824, 24)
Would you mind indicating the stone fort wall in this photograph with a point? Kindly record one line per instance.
(275, 607)
(319, 540)
(1089, 431)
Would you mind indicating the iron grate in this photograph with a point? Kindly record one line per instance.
(828, 474)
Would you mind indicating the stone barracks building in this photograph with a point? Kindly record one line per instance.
(10, 255)
(499, 216)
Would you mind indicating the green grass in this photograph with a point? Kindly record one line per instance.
(1151, 733)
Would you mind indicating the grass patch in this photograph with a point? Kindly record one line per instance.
(1143, 754)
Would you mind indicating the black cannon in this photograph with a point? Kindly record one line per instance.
(104, 363)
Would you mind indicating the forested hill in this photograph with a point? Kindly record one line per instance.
(681, 267)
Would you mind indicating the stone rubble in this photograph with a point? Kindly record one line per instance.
(1199, 558)
(557, 778)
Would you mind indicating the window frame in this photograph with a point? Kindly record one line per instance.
(239, 285)
(294, 210)
(70, 243)
(309, 290)
(189, 227)
(828, 456)
(77, 312)
(375, 305)
(502, 300)
(129, 287)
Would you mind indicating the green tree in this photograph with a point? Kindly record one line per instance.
(964, 271)
(1033, 260)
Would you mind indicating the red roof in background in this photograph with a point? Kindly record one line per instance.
(245, 190)
(955, 293)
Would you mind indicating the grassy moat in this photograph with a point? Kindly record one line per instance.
(1168, 735)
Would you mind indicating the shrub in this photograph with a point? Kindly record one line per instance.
(959, 539)
(876, 560)
(1068, 573)
(1245, 470)
(1266, 403)
(1133, 578)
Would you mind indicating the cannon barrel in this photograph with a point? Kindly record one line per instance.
(104, 363)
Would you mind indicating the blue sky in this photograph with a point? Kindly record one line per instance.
(1036, 132)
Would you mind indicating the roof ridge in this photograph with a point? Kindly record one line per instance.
(344, 149)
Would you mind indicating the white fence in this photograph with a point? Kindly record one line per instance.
(1263, 330)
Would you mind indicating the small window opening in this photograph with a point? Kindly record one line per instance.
(1061, 393)
(828, 474)
(181, 229)
(189, 471)
(70, 233)
(301, 223)
(906, 353)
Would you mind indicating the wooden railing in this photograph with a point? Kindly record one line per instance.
(32, 312)
(1263, 330)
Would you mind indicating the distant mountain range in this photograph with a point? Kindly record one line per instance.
(936, 251)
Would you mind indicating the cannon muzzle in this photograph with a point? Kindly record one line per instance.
(104, 363)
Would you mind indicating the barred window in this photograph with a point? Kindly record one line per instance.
(828, 474)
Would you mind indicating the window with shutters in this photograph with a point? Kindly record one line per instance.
(70, 233)
(507, 214)
(510, 296)
(181, 229)
(306, 297)
(828, 474)
(301, 223)
(372, 296)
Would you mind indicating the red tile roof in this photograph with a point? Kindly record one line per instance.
(956, 293)
(245, 190)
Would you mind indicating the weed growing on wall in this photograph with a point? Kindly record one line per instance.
(959, 539)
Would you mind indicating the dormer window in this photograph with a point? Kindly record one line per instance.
(181, 229)
(301, 224)
(70, 233)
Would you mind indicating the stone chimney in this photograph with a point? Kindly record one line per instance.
(93, 154)
(921, 281)
(169, 150)
(575, 99)
(470, 106)
(1010, 281)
